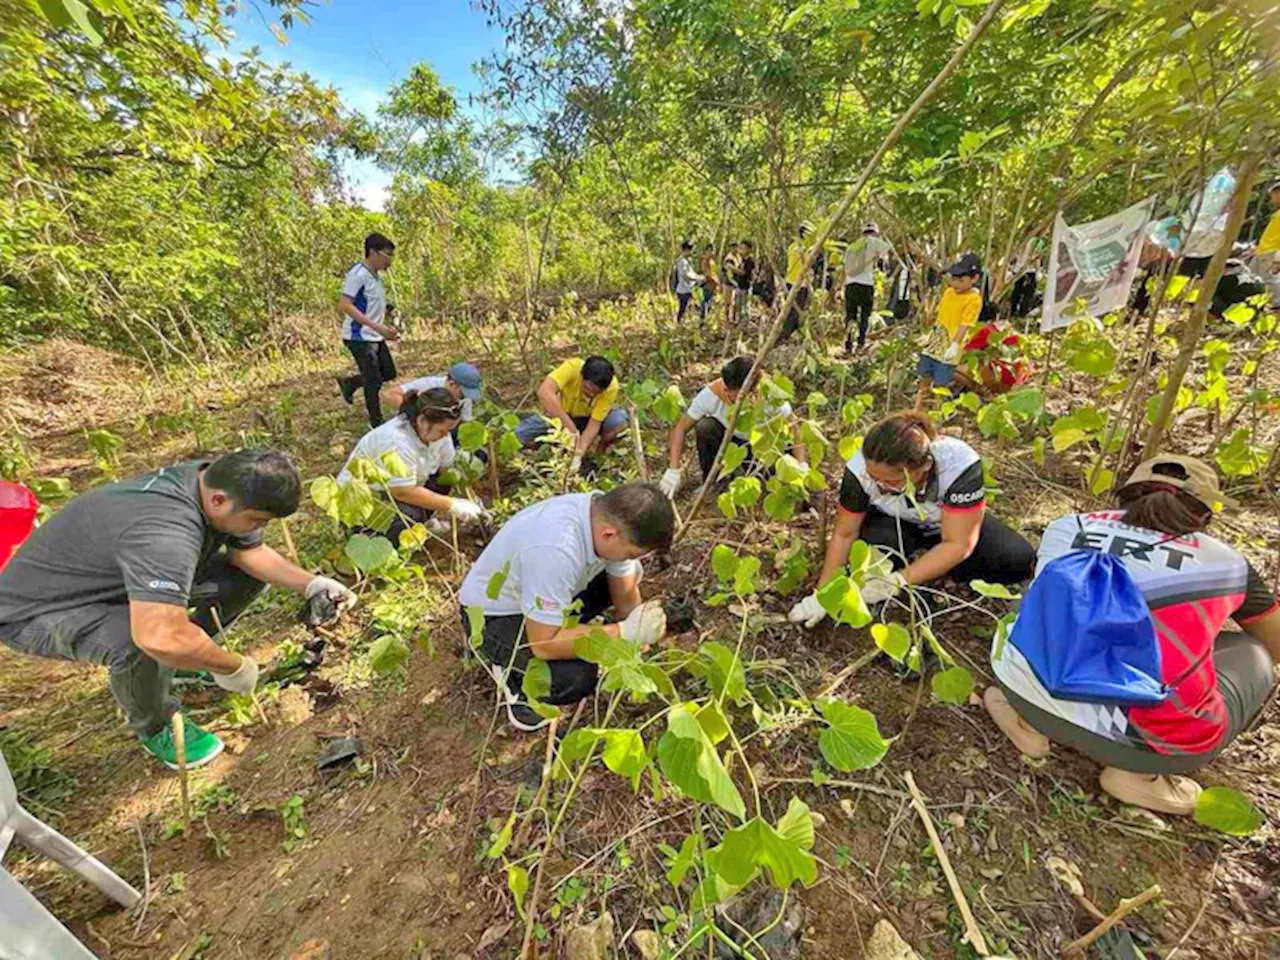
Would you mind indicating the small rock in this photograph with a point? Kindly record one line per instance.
(647, 943)
(818, 819)
(887, 944)
(956, 820)
(295, 705)
(757, 909)
(591, 941)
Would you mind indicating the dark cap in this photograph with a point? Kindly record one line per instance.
(967, 265)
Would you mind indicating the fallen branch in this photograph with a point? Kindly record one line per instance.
(1125, 908)
(972, 933)
(873, 164)
(146, 881)
(639, 445)
(849, 671)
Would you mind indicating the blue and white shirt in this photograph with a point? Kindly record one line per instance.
(366, 292)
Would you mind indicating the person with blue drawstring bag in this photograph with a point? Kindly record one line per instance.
(1119, 651)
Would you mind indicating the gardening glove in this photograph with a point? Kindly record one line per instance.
(339, 593)
(575, 465)
(646, 624)
(880, 589)
(242, 680)
(952, 354)
(808, 612)
(670, 482)
(465, 510)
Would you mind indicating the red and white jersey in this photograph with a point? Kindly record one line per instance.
(1193, 584)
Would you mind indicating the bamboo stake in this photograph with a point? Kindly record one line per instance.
(180, 748)
(222, 638)
(639, 445)
(288, 542)
(825, 231)
(1125, 908)
(972, 933)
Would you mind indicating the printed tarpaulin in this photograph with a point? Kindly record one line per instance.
(1092, 265)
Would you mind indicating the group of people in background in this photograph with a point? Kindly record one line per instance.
(141, 576)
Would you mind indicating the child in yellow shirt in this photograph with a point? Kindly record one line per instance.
(957, 313)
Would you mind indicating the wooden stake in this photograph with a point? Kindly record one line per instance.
(972, 933)
(180, 748)
(222, 640)
(288, 542)
(639, 445)
(493, 469)
(1125, 908)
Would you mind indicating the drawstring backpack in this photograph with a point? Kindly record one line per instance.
(1086, 631)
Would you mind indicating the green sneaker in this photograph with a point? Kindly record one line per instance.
(202, 746)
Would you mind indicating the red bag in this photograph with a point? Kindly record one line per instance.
(18, 507)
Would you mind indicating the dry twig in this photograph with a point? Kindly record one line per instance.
(1126, 907)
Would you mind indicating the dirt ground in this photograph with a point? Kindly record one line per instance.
(392, 860)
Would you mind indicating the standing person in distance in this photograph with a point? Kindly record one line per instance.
(729, 266)
(958, 311)
(365, 328)
(860, 261)
(797, 276)
(707, 267)
(420, 436)
(683, 277)
(745, 277)
(128, 576)
(909, 489)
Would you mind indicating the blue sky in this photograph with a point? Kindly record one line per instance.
(364, 48)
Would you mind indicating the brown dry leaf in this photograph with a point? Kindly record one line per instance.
(312, 950)
(1068, 874)
(492, 935)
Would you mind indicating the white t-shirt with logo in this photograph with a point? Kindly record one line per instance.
(431, 383)
(860, 259)
(549, 558)
(708, 403)
(397, 435)
(956, 483)
(365, 289)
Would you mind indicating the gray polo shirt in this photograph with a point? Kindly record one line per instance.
(140, 539)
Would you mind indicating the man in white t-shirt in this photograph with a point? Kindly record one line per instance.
(860, 261)
(550, 569)
(365, 325)
(708, 416)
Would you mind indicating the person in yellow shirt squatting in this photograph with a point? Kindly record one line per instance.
(1266, 259)
(957, 313)
(579, 395)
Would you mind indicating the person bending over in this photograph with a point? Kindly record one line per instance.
(580, 395)
(110, 578)
(463, 383)
(708, 415)
(1212, 682)
(909, 489)
(420, 436)
(571, 556)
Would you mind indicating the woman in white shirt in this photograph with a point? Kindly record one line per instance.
(419, 436)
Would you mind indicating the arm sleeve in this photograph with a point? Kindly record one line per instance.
(448, 453)
(972, 310)
(563, 375)
(158, 560)
(352, 284)
(602, 404)
(547, 585)
(968, 491)
(405, 451)
(622, 568)
(701, 405)
(853, 497)
(1258, 598)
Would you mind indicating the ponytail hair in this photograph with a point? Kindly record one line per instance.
(436, 405)
(1160, 506)
(900, 440)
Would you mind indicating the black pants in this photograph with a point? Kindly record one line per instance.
(1001, 556)
(1244, 680)
(709, 433)
(376, 368)
(684, 299)
(1023, 296)
(792, 323)
(858, 302)
(100, 633)
(407, 514)
(571, 680)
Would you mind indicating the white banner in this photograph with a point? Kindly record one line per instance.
(1092, 265)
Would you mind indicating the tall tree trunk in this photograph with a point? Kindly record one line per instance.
(873, 164)
(1195, 323)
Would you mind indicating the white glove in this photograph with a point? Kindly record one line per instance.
(880, 589)
(670, 482)
(952, 354)
(243, 680)
(808, 611)
(343, 597)
(646, 624)
(465, 510)
(575, 465)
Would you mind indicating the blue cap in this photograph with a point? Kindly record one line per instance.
(467, 377)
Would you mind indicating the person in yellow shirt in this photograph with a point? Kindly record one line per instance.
(796, 276)
(580, 395)
(1266, 259)
(957, 313)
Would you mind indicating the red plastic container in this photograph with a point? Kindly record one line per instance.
(18, 507)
